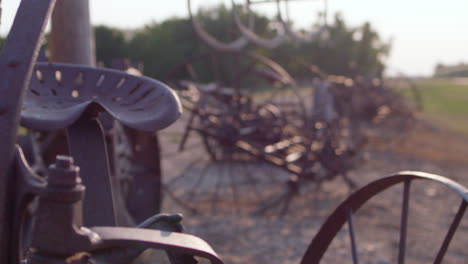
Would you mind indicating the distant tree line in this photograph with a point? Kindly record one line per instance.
(459, 70)
(345, 50)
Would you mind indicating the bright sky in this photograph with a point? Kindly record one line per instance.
(424, 32)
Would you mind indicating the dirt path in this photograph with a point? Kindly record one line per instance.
(245, 238)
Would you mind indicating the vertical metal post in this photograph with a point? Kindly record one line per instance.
(72, 37)
(98, 204)
(16, 62)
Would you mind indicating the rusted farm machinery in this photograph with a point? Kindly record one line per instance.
(311, 147)
(41, 217)
(296, 134)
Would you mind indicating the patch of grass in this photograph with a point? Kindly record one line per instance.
(446, 102)
(444, 96)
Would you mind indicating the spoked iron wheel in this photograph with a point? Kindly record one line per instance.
(224, 113)
(408, 214)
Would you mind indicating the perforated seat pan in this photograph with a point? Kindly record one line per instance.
(60, 93)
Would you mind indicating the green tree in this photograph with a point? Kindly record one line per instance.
(161, 46)
(110, 44)
(343, 50)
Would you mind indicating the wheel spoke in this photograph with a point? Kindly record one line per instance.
(349, 215)
(451, 232)
(404, 223)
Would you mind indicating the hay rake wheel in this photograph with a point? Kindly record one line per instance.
(234, 161)
(344, 215)
(236, 128)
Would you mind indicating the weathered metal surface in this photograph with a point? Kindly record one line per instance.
(71, 38)
(175, 242)
(64, 96)
(16, 62)
(164, 222)
(58, 236)
(57, 230)
(70, 97)
(285, 31)
(235, 128)
(60, 93)
(88, 148)
(313, 147)
(27, 185)
(134, 158)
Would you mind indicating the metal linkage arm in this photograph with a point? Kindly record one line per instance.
(57, 234)
(179, 243)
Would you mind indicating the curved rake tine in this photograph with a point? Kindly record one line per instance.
(252, 36)
(214, 43)
(451, 232)
(404, 222)
(352, 236)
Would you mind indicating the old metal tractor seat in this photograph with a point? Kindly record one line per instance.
(70, 97)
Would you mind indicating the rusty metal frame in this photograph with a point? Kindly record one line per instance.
(58, 235)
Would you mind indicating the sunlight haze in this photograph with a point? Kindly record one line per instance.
(423, 32)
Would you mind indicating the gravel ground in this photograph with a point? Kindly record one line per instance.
(242, 237)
